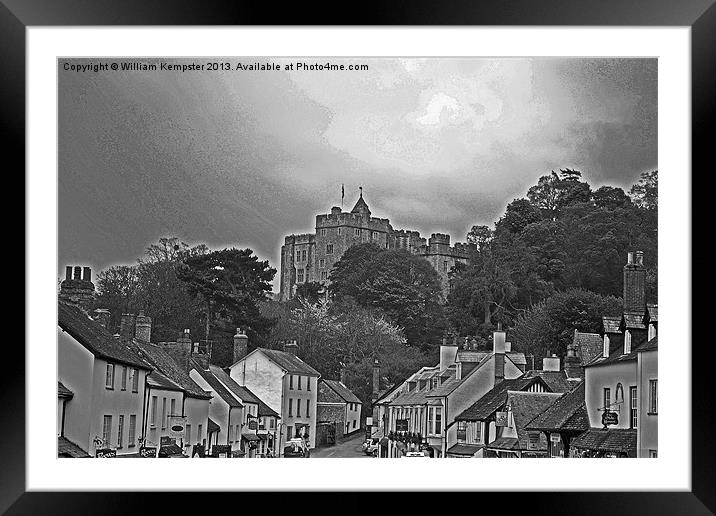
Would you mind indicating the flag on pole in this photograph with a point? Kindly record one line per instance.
(343, 193)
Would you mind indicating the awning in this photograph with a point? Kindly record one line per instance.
(504, 443)
(465, 449)
(619, 440)
(66, 448)
(249, 436)
(212, 427)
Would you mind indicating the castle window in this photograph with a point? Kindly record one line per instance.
(356, 232)
(303, 255)
(445, 266)
(339, 231)
(329, 248)
(324, 275)
(300, 276)
(321, 263)
(298, 256)
(374, 235)
(323, 232)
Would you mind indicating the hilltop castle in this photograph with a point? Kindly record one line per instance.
(311, 256)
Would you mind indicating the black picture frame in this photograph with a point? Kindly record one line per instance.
(699, 15)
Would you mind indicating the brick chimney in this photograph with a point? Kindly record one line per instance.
(498, 350)
(634, 283)
(572, 365)
(126, 326)
(448, 352)
(550, 363)
(290, 346)
(241, 344)
(376, 378)
(102, 316)
(77, 287)
(143, 327)
(181, 350)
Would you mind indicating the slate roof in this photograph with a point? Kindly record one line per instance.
(652, 345)
(609, 440)
(158, 380)
(450, 385)
(217, 386)
(343, 391)
(494, 399)
(616, 354)
(290, 362)
(164, 363)
(566, 413)
(360, 206)
(633, 321)
(243, 393)
(517, 358)
(505, 443)
(525, 406)
(588, 345)
(652, 312)
(64, 392)
(555, 380)
(96, 338)
(465, 449)
(611, 324)
(66, 447)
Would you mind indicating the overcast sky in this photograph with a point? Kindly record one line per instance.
(243, 158)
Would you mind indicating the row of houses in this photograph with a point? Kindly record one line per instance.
(602, 401)
(123, 395)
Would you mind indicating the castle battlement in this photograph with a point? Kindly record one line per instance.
(311, 256)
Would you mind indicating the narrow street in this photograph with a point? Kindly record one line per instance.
(348, 448)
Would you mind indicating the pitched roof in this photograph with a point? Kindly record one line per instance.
(505, 443)
(525, 406)
(616, 355)
(288, 361)
(566, 413)
(157, 379)
(611, 324)
(218, 387)
(517, 358)
(494, 399)
(65, 447)
(652, 345)
(588, 345)
(633, 320)
(241, 391)
(652, 312)
(361, 206)
(555, 380)
(64, 392)
(96, 338)
(167, 366)
(343, 391)
(609, 440)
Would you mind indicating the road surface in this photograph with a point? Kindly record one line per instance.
(348, 448)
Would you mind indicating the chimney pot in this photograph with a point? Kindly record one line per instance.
(68, 272)
(143, 327)
(241, 345)
(78, 273)
(87, 274)
(640, 258)
(630, 258)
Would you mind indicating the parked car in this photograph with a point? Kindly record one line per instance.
(370, 447)
(296, 448)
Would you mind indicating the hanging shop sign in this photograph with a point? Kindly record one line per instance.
(401, 425)
(533, 440)
(177, 424)
(221, 450)
(610, 417)
(148, 451)
(500, 418)
(105, 453)
(253, 424)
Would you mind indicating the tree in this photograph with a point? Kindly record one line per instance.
(311, 291)
(548, 327)
(403, 285)
(645, 193)
(519, 214)
(480, 236)
(230, 284)
(611, 198)
(117, 291)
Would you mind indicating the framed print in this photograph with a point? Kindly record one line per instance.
(433, 234)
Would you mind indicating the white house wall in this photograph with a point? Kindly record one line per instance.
(75, 370)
